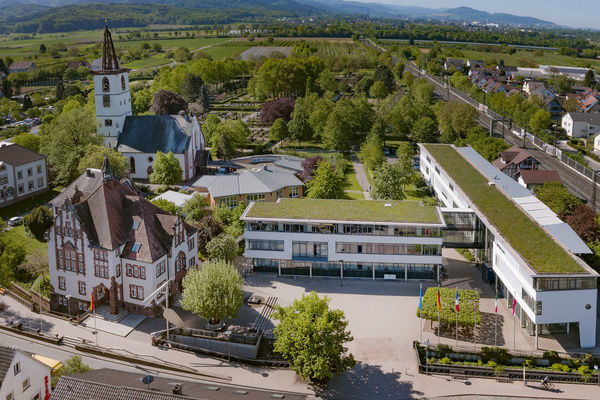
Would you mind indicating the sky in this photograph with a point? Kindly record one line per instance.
(577, 14)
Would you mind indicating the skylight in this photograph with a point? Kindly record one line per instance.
(136, 224)
(136, 247)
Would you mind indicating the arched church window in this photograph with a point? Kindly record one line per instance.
(105, 84)
(132, 164)
(106, 101)
(123, 82)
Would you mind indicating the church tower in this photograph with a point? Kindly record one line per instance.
(111, 87)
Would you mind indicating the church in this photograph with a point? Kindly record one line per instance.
(138, 138)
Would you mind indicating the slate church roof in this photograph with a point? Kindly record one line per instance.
(152, 133)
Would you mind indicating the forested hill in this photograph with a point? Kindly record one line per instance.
(92, 16)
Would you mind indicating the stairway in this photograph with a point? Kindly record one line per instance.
(103, 312)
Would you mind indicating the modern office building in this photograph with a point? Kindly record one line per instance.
(371, 239)
(522, 243)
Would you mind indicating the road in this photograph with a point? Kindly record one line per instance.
(577, 184)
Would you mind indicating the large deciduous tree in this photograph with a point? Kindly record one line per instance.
(385, 75)
(222, 247)
(39, 222)
(167, 102)
(191, 87)
(584, 222)
(166, 169)
(213, 292)
(94, 158)
(556, 196)
(309, 166)
(208, 229)
(270, 111)
(195, 208)
(326, 184)
(279, 130)
(371, 152)
(312, 338)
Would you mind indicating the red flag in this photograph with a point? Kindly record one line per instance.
(92, 301)
(514, 306)
(439, 302)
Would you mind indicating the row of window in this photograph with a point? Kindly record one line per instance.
(136, 271)
(71, 265)
(536, 306)
(309, 249)
(388, 249)
(63, 301)
(106, 84)
(29, 172)
(346, 229)
(68, 231)
(547, 284)
(270, 245)
(30, 187)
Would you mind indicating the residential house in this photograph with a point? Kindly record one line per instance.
(266, 184)
(22, 377)
(535, 88)
(112, 384)
(475, 64)
(581, 124)
(371, 239)
(108, 243)
(597, 142)
(514, 160)
(553, 106)
(21, 66)
(533, 178)
(456, 63)
(23, 173)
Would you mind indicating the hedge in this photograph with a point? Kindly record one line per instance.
(466, 299)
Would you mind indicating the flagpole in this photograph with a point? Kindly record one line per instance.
(438, 307)
(94, 312)
(496, 315)
(421, 309)
(514, 324)
(456, 307)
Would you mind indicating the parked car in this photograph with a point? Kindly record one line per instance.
(15, 221)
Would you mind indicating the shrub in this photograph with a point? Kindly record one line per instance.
(557, 367)
(530, 362)
(443, 350)
(585, 372)
(499, 368)
(498, 354)
(588, 359)
(552, 357)
(492, 364)
(445, 360)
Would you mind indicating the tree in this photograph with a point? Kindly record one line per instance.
(364, 84)
(213, 292)
(65, 140)
(584, 222)
(167, 102)
(311, 337)
(228, 137)
(27, 104)
(540, 121)
(166, 169)
(222, 247)
(327, 81)
(299, 127)
(60, 90)
(399, 70)
(590, 78)
(231, 218)
(279, 108)
(571, 104)
(384, 75)
(166, 205)
(371, 152)
(309, 166)
(423, 91)
(278, 131)
(191, 87)
(389, 180)
(326, 184)
(42, 49)
(424, 130)
(378, 90)
(28, 140)
(39, 222)
(94, 158)
(556, 196)
(141, 102)
(562, 84)
(195, 208)
(208, 229)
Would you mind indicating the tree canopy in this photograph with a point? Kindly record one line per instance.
(39, 222)
(166, 169)
(167, 102)
(326, 184)
(94, 158)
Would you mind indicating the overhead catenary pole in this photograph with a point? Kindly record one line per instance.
(456, 307)
(496, 315)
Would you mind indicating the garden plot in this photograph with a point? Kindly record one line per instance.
(257, 52)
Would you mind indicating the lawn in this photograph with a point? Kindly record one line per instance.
(220, 52)
(190, 43)
(525, 236)
(346, 210)
(20, 235)
(355, 196)
(29, 204)
(351, 179)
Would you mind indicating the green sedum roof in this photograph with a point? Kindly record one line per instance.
(539, 249)
(346, 210)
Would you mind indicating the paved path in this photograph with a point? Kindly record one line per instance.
(361, 177)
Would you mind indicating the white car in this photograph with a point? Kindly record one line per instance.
(15, 221)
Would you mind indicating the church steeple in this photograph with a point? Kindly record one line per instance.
(109, 56)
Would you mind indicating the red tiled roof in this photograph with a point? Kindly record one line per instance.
(514, 155)
(538, 176)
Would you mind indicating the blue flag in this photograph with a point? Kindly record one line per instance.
(420, 298)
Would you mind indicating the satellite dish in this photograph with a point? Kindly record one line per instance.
(147, 380)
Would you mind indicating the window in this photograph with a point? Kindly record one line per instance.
(108, 122)
(136, 292)
(38, 396)
(20, 175)
(30, 185)
(3, 179)
(255, 197)
(136, 224)
(106, 101)
(136, 247)
(192, 262)
(29, 171)
(269, 245)
(82, 288)
(40, 182)
(132, 164)
(294, 192)
(309, 249)
(160, 269)
(123, 86)
(62, 283)
(26, 384)
(229, 201)
(105, 85)
(17, 368)
(39, 169)
(191, 243)
(136, 271)
(118, 270)
(101, 271)
(180, 261)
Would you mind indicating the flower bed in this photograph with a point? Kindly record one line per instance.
(494, 362)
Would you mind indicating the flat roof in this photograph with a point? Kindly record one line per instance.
(526, 237)
(371, 211)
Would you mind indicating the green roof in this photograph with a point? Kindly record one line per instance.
(540, 250)
(347, 210)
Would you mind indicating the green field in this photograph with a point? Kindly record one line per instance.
(220, 52)
(171, 43)
(153, 61)
(528, 59)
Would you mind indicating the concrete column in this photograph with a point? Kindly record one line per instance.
(568, 327)
(374, 266)
(536, 337)
(310, 270)
(278, 267)
(405, 273)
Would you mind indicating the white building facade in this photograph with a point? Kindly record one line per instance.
(113, 246)
(546, 303)
(23, 173)
(320, 246)
(581, 125)
(24, 378)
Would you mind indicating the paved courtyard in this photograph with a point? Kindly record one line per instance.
(382, 319)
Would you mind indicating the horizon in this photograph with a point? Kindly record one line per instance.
(556, 11)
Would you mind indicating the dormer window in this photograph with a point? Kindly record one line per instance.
(136, 247)
(136, 224)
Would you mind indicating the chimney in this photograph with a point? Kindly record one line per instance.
(178, 388)
(88, 173)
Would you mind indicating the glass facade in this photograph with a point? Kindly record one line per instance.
(270, 245)
(549, 284)
(315, 250)
(387, 248)
(346, 229)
